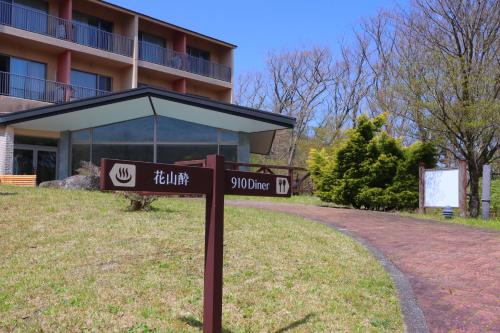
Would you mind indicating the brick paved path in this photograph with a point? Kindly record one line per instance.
(454, 270)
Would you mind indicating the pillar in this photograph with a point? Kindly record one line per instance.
(244, 147)
(180, 86)
(64, 73)
(6, 150)
(63, 152)
(462, 187)
(66, 9)
(421, 188)
(180, 42)
(180, 45)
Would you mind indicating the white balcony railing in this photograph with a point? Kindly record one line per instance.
(173, 59)
(32, 20)
(43, 90)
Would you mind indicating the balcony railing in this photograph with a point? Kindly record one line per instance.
(170, 58)
(43, 90)
(32, 20)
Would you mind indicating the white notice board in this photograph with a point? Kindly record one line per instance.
(441, 188)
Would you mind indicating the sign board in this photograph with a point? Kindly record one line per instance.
(441, 188)
(119, 175)
(213, 181)
(256, 184)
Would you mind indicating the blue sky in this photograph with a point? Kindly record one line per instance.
(258, 26)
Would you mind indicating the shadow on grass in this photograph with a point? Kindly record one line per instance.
(295, 324)
(193, 322)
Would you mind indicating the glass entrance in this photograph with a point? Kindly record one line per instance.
(23, 162)
(35, 160)
(46, 166)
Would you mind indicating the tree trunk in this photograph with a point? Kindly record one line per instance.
(474, 176)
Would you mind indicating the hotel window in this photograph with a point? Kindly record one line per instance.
(87, 84)
(197, 53)
(152, 48)
(22, 78)
(30, 15)
(92, 31)
(134, 140)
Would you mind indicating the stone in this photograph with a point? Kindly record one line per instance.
(78, 182)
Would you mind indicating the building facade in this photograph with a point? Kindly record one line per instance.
(57, 53)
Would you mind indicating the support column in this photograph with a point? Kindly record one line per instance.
(486, 192)
(180, 45)
(462, 187)
(63, 152)
(64, 73)
(421, 188)
(66, 9)
(135, 66)
(243, 147)
(180, 86)
(6, 150)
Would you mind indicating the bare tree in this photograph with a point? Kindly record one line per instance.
(347, 90)
(299, 82)
(251, 91)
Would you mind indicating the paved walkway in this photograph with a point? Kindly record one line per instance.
(454, 270)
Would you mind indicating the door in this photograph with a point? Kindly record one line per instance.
(24, 162)
(46, 166)
(36, 160)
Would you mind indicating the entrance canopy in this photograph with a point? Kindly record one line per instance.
(147, 101)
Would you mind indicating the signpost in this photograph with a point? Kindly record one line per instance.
(213, 181)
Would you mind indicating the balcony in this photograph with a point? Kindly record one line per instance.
(39, 22)
(43, 90)
(184, 62)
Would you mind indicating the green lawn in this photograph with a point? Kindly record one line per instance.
(79, 261)
(433, 214)
(436, 215)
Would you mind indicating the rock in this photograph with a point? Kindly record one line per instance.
(77, 182)
(52, 184)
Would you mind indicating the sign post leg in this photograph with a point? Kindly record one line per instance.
(214, 238)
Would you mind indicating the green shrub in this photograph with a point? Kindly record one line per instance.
(370, 169)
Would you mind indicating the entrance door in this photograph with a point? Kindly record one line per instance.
(24, 162)
(46, 166)
(35, 160)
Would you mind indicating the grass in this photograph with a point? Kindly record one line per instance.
(435, 215)
(79, 261)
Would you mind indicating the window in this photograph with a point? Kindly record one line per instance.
(86, 84)
(93, 21)
(175, 130)
(30, 15)
(134, 140)
(197, 53)
(92, 31)
(152, 48)
(137, 130)
(26, 79)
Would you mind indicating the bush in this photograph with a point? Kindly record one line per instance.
(370, 169)
(138, 201)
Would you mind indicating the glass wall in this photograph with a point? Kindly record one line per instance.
(135, 140)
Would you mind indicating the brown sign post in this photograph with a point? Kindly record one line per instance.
(214, 182)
